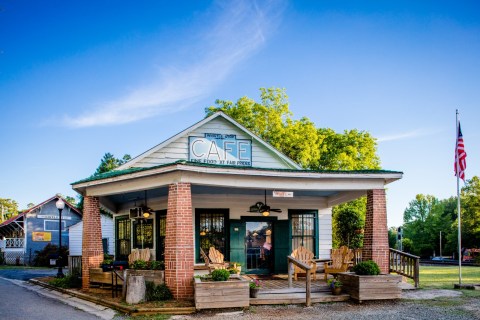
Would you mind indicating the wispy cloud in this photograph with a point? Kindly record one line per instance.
(239, 31)
(407, 135)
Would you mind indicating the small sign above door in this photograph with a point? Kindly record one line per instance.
(283, 194)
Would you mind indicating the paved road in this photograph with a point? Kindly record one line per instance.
(21, 300)
(21, 273)
(19, 303)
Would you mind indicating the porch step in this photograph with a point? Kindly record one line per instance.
(296, 298)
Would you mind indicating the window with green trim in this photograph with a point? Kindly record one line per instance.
(143, 234)
(123, 236)
(211, 231)
(304, 230)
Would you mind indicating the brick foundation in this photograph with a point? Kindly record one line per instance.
(375, 242)
(179, 252)
(92, 249)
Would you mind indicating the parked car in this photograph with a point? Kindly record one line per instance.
(442, 259)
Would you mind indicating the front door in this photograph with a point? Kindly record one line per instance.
(258, 244)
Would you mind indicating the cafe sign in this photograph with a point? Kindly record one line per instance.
(220, 149)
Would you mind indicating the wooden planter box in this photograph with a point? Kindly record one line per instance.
(222, 294)
(361, 288)
(97, 276)
(155, 276)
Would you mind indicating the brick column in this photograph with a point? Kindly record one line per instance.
(375, 242)
(179, 254)
(92, 249)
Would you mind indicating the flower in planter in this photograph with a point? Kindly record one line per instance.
(255, 284)
(334, 283)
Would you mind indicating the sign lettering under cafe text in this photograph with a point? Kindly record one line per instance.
(220, 149)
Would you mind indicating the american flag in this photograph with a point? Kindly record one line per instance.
(460, 155)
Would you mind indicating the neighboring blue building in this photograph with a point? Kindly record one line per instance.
(36, 227)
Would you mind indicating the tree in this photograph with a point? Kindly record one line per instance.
(470, 206)
(392, 237)
(348, 223)
(417, 224)
(8, 209)
(109, 162)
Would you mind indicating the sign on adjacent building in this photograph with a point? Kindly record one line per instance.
(41, 236)
(220, 149)
(52, 216)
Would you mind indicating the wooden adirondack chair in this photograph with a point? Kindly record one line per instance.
(306, 256)
(216, 257)
(341, 261)
(211, 264)
(136, 254)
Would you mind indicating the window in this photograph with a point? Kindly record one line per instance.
(304, 229)
(52, 225)
(123, 246)
(211, 231)
(143, 234)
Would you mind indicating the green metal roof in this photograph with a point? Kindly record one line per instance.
(116, 173)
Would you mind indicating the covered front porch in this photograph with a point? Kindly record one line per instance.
(193, 205)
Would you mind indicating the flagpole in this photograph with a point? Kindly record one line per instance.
(458, 208)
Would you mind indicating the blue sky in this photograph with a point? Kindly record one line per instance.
(79, 79)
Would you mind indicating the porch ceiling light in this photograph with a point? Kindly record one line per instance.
(263, 208)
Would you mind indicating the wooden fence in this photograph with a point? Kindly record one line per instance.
(75, 265)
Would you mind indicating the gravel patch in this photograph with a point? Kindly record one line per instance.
(430, 294)
(428, 309)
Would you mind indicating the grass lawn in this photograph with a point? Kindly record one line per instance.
(444, 277)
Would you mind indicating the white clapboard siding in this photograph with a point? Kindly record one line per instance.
(262, 157)
(76, 232)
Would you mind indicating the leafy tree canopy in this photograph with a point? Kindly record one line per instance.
(8, 209)
(311, 147)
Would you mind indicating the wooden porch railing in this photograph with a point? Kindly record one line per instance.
(292, 261)
(405, 264)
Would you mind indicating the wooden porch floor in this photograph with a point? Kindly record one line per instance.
(275, 290)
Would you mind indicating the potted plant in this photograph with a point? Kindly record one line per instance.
(107, 264)
(254, 287)
(336, 286)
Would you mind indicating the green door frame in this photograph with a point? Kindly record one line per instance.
(246, 219)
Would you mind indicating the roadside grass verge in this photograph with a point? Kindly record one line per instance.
(444, 277)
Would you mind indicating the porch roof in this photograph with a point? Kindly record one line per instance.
(395, 175)
(336, 186)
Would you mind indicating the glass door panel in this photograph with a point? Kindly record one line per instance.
(258, 244)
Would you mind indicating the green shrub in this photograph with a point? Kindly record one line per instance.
(69, 281)
(156, 265)
(367, 268)
(42, 258)
(220, 275)
(139, 265)
(155, 293)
